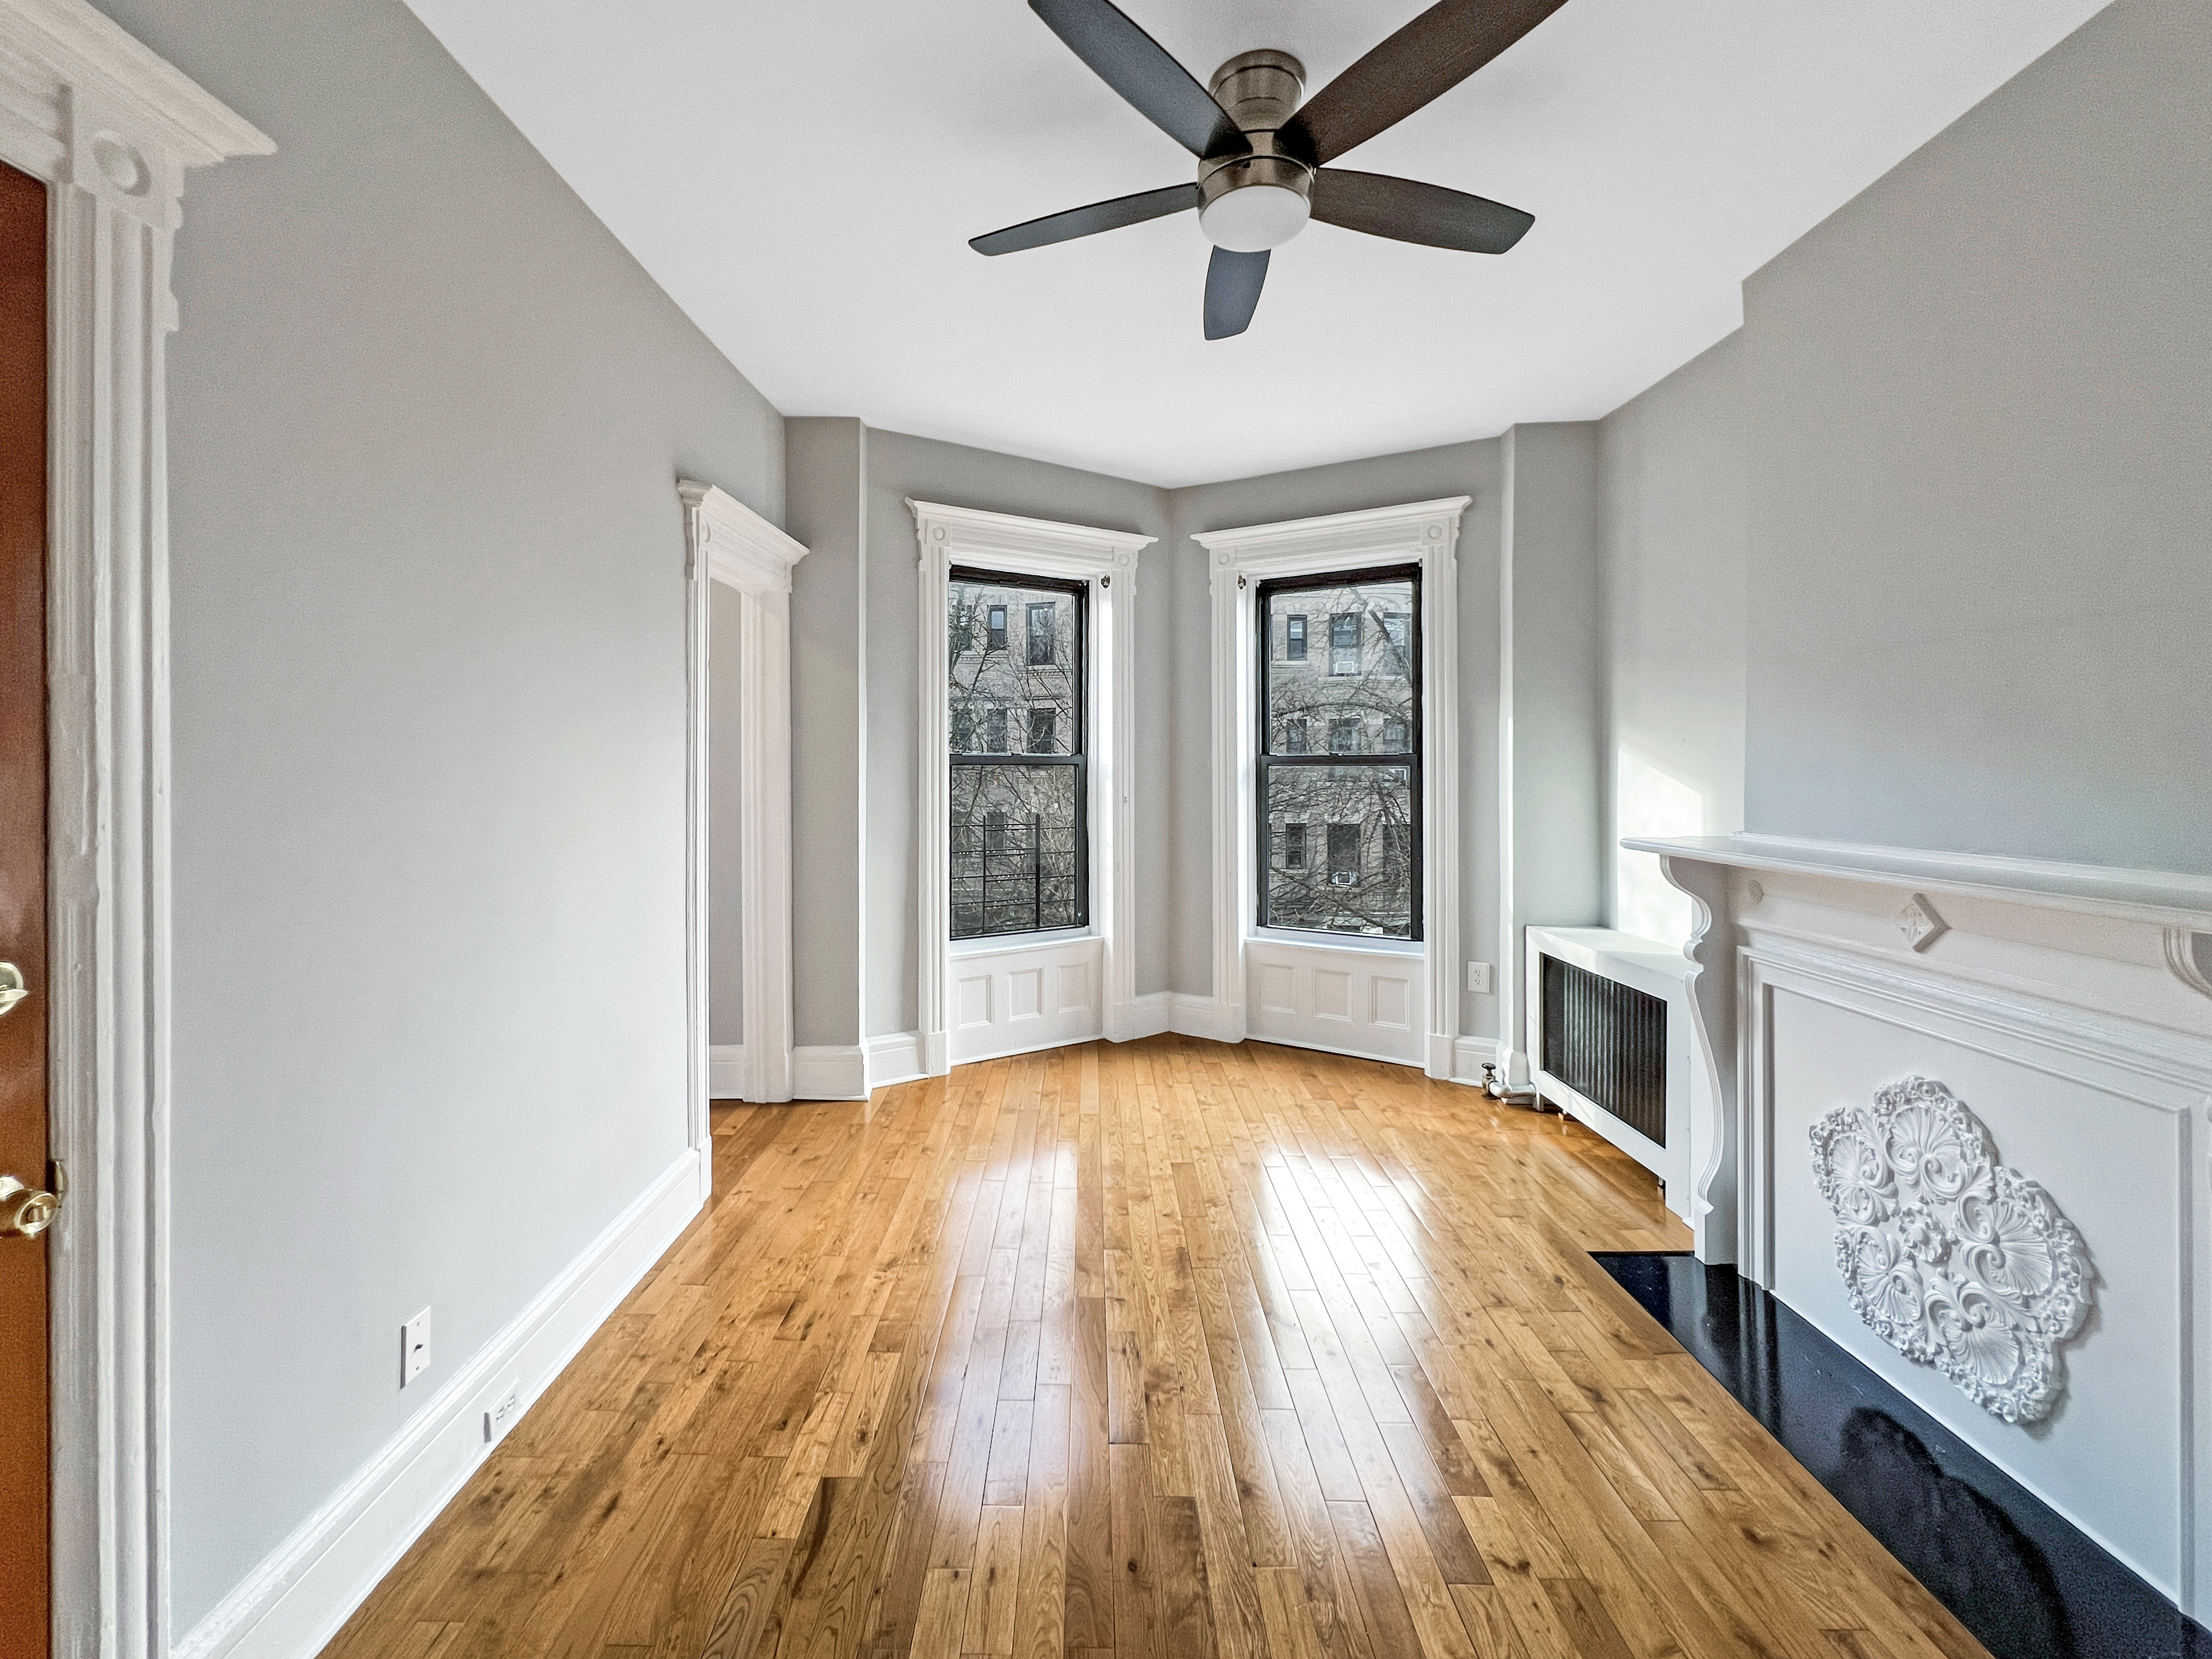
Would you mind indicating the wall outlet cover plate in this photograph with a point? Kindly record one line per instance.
(415, 1347)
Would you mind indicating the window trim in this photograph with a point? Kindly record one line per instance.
(1265, 759)
(1426, 533)
(1078, 755)
(1106, 559)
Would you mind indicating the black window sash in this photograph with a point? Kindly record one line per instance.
(1079, 672)
(1409, 761)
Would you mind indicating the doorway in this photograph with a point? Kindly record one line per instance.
(25, 1560)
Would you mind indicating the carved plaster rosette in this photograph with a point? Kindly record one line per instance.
(1954, 1259)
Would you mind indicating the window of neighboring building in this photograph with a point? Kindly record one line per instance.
(1397, 628)
(1343, 858)
(1294, 637)
(1344, 642)
(1364, 793)
(1020, 850)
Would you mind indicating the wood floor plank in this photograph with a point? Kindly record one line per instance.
(1161, 1350)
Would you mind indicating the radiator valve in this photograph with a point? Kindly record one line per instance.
(1494, 1086)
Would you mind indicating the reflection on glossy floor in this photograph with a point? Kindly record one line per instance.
(1166, 1349)
(2017, 1573)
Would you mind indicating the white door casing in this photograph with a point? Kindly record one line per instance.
(731, 544)
(1424, 533)
(1105, 560)
(112, 130)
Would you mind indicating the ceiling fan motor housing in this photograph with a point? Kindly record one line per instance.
(1251, 203)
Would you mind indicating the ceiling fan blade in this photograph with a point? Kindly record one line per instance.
(1420, 63)
(1232, 291)
(1088, 221)
(1138, 67)
(1408, 211)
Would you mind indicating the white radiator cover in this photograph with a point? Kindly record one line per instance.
(1658, 970)
(2070, 1008)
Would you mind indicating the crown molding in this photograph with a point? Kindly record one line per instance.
(742, 548)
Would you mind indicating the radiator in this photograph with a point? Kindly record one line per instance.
(1608, 1041)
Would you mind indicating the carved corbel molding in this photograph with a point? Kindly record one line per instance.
(2189, 954)
(1712, 1101)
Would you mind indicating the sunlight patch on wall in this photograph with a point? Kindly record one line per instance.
(1647, 801)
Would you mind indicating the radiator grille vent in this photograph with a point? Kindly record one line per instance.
(1608, 1042)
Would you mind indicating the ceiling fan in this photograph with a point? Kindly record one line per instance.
(1262, 158)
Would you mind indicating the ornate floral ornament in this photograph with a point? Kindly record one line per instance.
(1954, 1259)
(1919, 924)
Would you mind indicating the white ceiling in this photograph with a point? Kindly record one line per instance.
(803, 175)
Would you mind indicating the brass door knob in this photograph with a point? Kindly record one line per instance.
(25, 1211)
(12, 988)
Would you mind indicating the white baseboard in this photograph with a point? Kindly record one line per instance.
(830, 1071)
(725, 1070)
(1198, 1017)
(1469, 1055)
(896, 1058)
(1148, 1015)
(294, 1602)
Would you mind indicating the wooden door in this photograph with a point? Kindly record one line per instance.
(24, 1497)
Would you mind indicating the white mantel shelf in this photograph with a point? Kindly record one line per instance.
(2164, 898)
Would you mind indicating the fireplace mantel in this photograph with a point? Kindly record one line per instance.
(2069, 1006)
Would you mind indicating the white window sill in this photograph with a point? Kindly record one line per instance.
(998, 944)
(1323, 939)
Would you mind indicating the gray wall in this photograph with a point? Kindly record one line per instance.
(726, 979)
(1671, 468)
(1469, 469)
(900, 467)
(426, 420)
(1979, 407)
(825, 478)
(1555, 664)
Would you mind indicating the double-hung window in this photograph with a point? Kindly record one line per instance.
(1358, 805)
(1020, 845)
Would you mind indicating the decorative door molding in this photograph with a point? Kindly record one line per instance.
(1426, 534)
(731, 544)
(112, 130)
(1107, 561)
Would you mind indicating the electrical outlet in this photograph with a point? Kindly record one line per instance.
(415, 1347)
(1478, 978)
(500, 1417)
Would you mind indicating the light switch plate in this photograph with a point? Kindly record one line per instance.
(415, 1347)
(1478, 978)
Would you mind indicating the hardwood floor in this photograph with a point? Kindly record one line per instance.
(1163, 1351)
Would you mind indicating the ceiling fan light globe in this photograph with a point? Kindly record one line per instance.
(1254, 218)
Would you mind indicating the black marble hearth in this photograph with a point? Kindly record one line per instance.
(2026, 1582)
